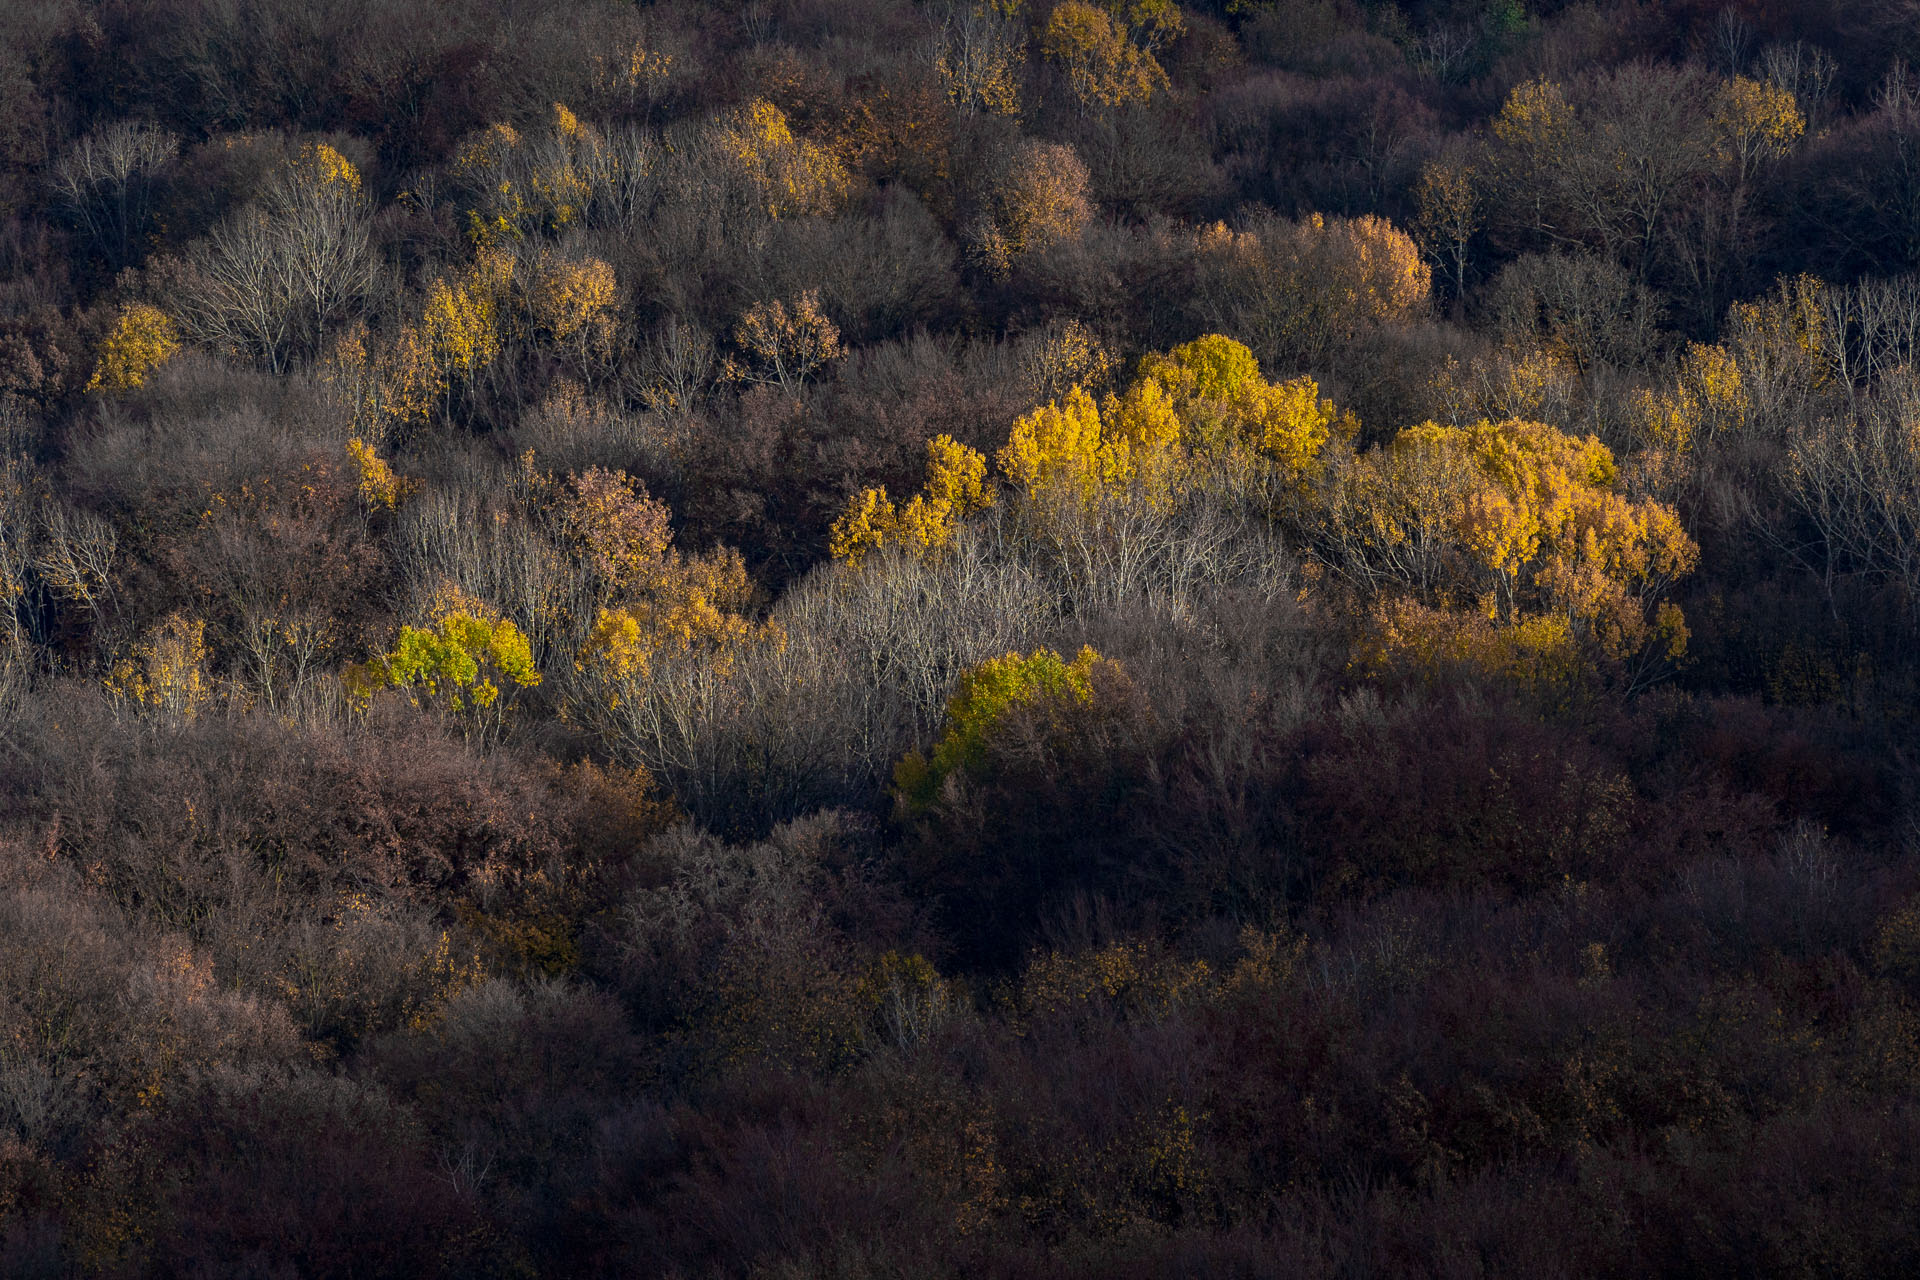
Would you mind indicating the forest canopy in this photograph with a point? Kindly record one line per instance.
(915, 638)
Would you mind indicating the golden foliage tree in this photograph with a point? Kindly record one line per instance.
(1204, 400)
(523, 184)
(1522, 520)
(784, 345)
(380, 489)
(955, 489)
(573, 306)
(1103, 53)
(167, 671)
(656, 663)
(1754, 122)
(142, 339)
(978, 54)
(795, 178)
(1199, 419)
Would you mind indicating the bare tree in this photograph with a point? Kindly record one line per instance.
(75, 556)
(268, 282)
(1805, 71)
(1858, 483)
(107, 182)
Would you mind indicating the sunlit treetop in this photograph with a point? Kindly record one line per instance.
(986, 694)
(955, 488)
(1536, 116)
(795, 177)
(142, 339)
(1754, 121)
(327, 168)
(1103, 67)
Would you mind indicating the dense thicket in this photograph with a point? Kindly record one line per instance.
(917, 638)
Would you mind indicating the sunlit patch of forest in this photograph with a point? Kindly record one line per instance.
(937, 638)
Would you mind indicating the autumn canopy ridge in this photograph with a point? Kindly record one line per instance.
(918, 639)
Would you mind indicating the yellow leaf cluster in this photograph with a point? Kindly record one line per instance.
(1204, 401)
(1060, 447)
(388, 383)
(1063, 355)
(1214, 390)
(955, 488)
(785, 344)
(142, 339)
(167, 672)
(1709, 398)
(1381, 273)
(978, 59)
(1785, 334)
(796, 178)
(1205, 398)
(327, 169)
(636, 73)
(380, 488)
(1536, 118)
(1755, 120)
(461, 320)
(527, 184)
(691, 607)
(573, 302)
(1103, 67)
(484, 151)
(1532, 514)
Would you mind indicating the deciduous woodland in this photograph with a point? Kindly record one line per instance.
(937, 638)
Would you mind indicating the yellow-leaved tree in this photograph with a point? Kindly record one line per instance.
(795, 178)
(654, 673)
(379, 488)
(1754, 122)
(467, 662)
(1202, 402)
(1519, 519)
(784, 345)
(167, 672)
(523, 184)
(956, 487)
(573, 308)
(1106, 51)
(1147, 489)
(978, 53)
(1101, 484)
(142, 339)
